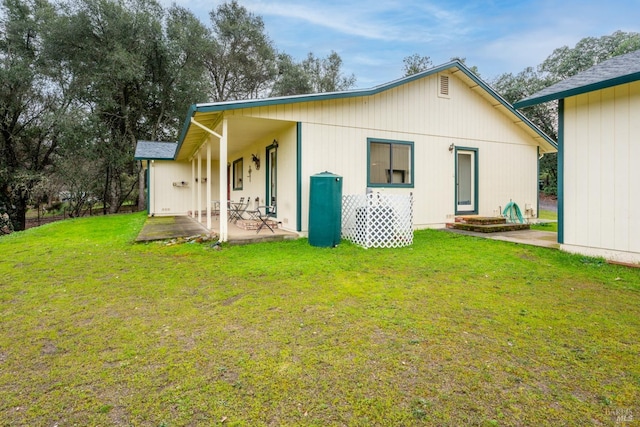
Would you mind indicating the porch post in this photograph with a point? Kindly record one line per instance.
(198, 189)
(209, 183)
(224, 225)
(193, 188)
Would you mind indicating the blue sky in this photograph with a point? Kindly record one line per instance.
(373, 36)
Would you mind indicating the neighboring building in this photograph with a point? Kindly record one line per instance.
(443, 135)
(599, 158)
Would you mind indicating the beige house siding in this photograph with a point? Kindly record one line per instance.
(286, 175)
(168, 200)
(316, 134)
(601, 172)
(165, 198)
(335, 133)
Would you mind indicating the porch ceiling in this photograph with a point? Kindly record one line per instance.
(242, 132)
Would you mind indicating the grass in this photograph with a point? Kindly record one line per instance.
(547, 226)
(452, 331)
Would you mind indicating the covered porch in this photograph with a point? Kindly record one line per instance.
(224, 158)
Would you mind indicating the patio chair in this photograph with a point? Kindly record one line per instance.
(262, 214)
(215, 207)
(238, 209)
(233, 208)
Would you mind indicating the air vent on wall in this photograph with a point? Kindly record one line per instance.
(443, 86)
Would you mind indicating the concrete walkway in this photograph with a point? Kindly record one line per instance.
(169, 227)
(546, 239)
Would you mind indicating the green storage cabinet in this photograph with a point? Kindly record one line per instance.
(325, 209)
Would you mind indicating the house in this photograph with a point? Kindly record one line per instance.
(599, 146)
(443, 135)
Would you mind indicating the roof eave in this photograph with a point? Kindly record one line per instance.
(233, 105)
(153, 158)
(236, 105)
(508, 106)
(294, 99)
(562, 94)
(185, 128)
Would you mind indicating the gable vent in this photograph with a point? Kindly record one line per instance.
(443, 89)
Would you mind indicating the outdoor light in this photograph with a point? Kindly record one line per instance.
(451, 147)
(275, 143)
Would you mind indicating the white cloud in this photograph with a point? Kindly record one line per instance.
(373, 37)
(389, 22)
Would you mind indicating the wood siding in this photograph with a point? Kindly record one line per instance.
(164, 197)
(601, 172)
(335, 132)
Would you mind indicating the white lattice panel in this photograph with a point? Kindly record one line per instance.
(377, 220)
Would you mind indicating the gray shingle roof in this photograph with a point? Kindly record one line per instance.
(152, 150)
(612, 72)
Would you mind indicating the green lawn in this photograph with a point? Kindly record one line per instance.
(452, 331)
(547, 226)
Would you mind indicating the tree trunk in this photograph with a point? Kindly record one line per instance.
(114, 197)
(105, 192)
(18, 214)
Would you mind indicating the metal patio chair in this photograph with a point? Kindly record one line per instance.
(262, 214)
(236, 210)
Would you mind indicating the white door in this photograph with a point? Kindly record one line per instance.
(466, 186)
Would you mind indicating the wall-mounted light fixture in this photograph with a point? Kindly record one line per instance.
(275, 143)
(451, 147)
(256, 160)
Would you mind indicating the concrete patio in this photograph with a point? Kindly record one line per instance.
(546, 239)
(171, 227)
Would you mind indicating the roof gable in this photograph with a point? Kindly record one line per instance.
(612, 72)
(456, 67)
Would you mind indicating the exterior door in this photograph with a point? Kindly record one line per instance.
(272, 177)
(466, 181)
